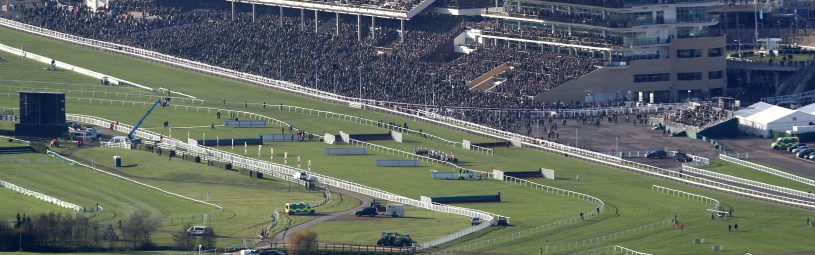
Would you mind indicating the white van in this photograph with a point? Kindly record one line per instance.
(197, 230)
(395, 210)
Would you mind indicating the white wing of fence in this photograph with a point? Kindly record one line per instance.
(768, 170)
(41, 196)
(417, 115)
(286, 173)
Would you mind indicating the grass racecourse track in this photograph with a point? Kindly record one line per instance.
(725, 167)
(630, 202)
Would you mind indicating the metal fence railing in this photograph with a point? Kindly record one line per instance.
(688, 195)
(768, 170)
(622, 250)
(41, 196)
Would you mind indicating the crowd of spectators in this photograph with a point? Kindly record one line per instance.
(381, 67)
(698, 115)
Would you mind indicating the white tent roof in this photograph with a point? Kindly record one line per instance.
(773, 114)
(753, 109)
(808, 109)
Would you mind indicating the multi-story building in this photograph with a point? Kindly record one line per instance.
(656, 50)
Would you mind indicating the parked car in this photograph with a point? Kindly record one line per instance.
(811, 156)
(656, 154)
(805, 152)
(796, 147)
(682, 157)
(796, 150)
(367, 211)
(196, 230)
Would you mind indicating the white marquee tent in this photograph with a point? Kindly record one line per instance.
(808, 109)
(772, 119)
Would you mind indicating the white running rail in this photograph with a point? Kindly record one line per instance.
(768, 170)
(751, 183)
(56, 155)
(688, 195)
(41, 196)
(622, 250)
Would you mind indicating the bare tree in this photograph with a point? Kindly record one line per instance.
(139, 224)
(303, 243)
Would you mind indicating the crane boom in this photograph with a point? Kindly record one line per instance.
(136, 127)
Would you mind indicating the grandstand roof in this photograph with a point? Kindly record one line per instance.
(808, 109)
(753, 109)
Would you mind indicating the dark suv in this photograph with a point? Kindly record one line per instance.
(682, 157)
(656, 154)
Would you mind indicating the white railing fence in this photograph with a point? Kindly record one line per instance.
(768, 170)
(56, 155)
(622, 250)
(41, 196)
(783, 191)
(688, 195)
(103, 93)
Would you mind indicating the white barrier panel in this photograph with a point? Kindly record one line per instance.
(345, 137)
(548, 173)
(498, 174)
(425, 199)
(329, 138)
(465, 144)
(516, 142)
(396, 136)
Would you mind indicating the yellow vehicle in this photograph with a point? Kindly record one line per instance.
(782, 143)
(299, 208)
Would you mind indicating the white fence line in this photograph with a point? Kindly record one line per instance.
(56, 155)
(41, 196)
(418, 115)
(63, 65)
(751, 183)
(28, 143)
(768, 170)
(286, 173)
(622, 250)
(688, 195)
(94, 93)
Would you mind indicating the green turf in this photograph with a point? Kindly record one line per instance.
(630, 202)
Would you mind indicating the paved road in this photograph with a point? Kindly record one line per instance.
(284, 236)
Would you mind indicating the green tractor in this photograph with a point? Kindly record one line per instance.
(394, 240)
(782, 143)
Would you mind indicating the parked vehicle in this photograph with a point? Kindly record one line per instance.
(682, 157)
(395, 210)
(656, 154)
(798, 148)
(475, 221)
(367, 211)
(298, 208)
(119, 139)
(782, 143)
(196, 230)
(804, 152)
